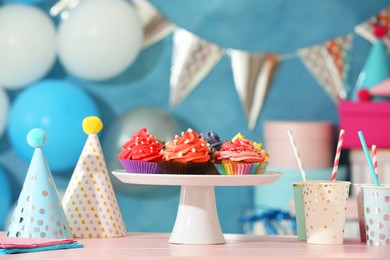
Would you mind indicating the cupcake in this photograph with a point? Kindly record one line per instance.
(241, 157)
(213, 139)
(141, 153)
(187, 154)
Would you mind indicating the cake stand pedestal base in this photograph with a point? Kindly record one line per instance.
(197, 219)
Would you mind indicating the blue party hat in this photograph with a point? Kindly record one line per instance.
(375, 70)
(39, 212)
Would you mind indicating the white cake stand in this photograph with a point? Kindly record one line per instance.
(197, 219)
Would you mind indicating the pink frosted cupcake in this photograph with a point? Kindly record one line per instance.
(241, 157)
(141, 153)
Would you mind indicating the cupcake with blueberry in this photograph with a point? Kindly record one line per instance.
(213, 139)
(141, 153)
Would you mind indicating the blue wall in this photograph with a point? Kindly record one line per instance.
(253, 25)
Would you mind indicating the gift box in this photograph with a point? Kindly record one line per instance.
(314, 142)
(360, 172)
(372, 118)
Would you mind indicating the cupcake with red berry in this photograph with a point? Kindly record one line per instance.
(187, 154)
(241, 157)
(141, 153)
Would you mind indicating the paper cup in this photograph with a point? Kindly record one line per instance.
(299, 210)
(359, 202)
(325, 207)
(376, 201)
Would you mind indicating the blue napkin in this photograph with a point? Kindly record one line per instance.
(5, 251)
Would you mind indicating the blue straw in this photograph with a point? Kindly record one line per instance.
(370, 165)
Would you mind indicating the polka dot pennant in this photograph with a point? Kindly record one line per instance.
(329, 63)
(366, 28)
(195, 58)
(39, 213)
(376, 203)
(89, 201)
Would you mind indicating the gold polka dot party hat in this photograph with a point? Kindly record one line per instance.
(89, 201)
(38, 213)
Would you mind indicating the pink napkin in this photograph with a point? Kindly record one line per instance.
(18, 242)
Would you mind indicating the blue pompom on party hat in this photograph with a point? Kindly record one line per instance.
(39, 213)
(376, 69)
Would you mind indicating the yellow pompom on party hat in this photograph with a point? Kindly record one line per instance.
(89, 201)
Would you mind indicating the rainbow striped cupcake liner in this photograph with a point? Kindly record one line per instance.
(241, 168)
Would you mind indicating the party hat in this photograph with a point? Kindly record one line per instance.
(382, 89)
(39, 212)
(376, 68)
(89, 200)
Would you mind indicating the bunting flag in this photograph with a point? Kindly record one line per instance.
(193, 58)
(330, 63)
(156, 27)
(252, 75)
(366, 28)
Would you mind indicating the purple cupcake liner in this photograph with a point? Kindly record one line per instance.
(133, 166)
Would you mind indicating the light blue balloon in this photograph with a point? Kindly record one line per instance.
(24, 1)
(5, 198)
(58, 107)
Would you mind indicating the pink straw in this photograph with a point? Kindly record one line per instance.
(374, 160)
(337, 157)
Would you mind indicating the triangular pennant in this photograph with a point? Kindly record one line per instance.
(329, 63)
(63, 7)
(340, 50)
(156, 27)
(252, 73)
(89, 201)
(366, 28)
(193, 58)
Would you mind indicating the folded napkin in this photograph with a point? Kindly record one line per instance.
(11, 245)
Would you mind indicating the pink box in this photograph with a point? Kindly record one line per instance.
(373, 118)
(314, 142)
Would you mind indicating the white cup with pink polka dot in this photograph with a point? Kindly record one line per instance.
(325, 207)
(376, 203)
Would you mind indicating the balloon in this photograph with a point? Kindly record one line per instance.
(5, 198)
(158, 122)
(99, 39)
(59, 108)
(25, 1)
(4, 103)
(27, 45)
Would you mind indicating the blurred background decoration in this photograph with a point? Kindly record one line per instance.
(170, 65)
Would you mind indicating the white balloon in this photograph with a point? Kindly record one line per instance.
(27, 45)
(99, 39)
(4, 104)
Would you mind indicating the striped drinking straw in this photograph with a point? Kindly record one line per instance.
(337, 156)
(294, 146)
(374, 159)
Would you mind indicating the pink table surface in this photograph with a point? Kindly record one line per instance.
(156, 246)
